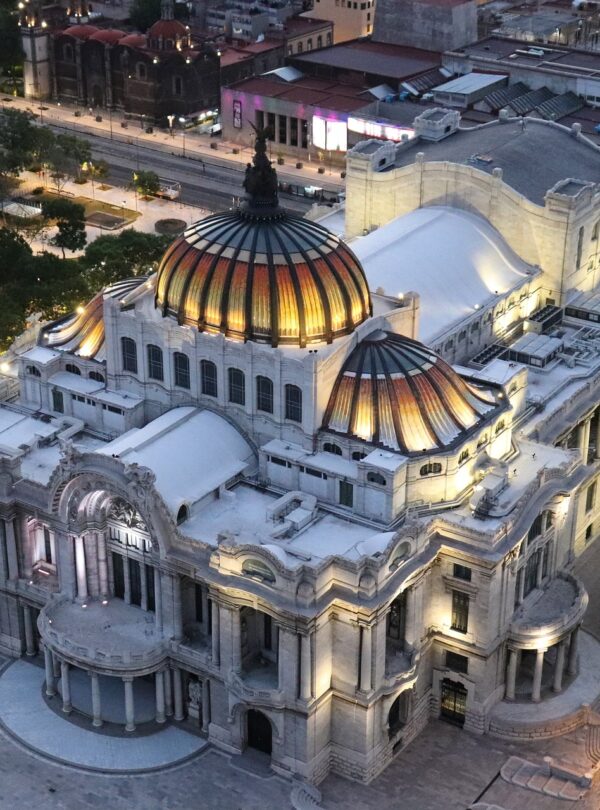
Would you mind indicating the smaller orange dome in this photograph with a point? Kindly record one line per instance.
(167, 29)
(108, 35)
(81, 31)
(133, 40)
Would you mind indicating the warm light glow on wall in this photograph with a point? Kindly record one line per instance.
(329, 135)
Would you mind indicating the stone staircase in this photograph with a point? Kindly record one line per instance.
(562, 781)
(305, 797)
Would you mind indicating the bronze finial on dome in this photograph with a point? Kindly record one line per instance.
(260, 181)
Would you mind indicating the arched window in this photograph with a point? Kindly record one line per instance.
(358, 455)
(183, 514)
(155, 362)
(330, 447)
(72, 369)
(431, 468)
(463, 456)
(376, 478)
(319, 41)
(257, 569)
(499, 427)
(95, 375)
(264, 394)
(141, 71)
(293, 403)
(398, 713)
(129, 354)
(35, 372)
(181, 367)
(237, 386)
(208, 375)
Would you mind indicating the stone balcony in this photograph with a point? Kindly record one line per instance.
(108, 635)
(400, 666)
(258, 681)
(549, 613)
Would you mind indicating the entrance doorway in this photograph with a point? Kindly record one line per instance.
(454, 702)
(259, 732)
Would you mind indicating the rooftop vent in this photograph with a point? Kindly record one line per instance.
(436, 124)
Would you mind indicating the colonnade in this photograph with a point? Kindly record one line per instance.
(168, 687)
(584, 429)
(566, 653)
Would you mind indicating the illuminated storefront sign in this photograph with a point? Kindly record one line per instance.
(330, 135)
(372, 129)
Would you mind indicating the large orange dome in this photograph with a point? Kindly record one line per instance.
(260, 274)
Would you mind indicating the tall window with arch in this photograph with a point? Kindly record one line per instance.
(237, 386)
(293, 403)
(208, 378)
(129, 354)
(264, 394)
(181, 368)
(155, 363)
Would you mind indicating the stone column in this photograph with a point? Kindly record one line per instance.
(572, 662)
(205, 610)
(157, 599)
(522, 585)
(11, 550)
(177, 607)
(365, 659)
(177, 694)
(96, 701)
(205, 704)
(559, 666)
(82, 591)
(536, 690)
(129, 705)
(215, 637)
(102, 564)
(168, 682)
(280, 659)
(511, 674)
(65, 687)
(127, 581)
(3, 554)
(29, 634)
(597, 448)
(49, 667)
(144, 587)
(583, 439)
(236, 641)
(305, 668)
(159, 679)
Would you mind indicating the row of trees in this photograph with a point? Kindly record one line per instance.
(52, 286)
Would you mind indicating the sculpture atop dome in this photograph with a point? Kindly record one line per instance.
(260, 182)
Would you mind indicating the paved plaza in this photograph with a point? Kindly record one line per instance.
(444, 768)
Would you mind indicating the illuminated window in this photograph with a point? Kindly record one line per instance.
(72, 369)
(237, 386)
(264, 394)
(431, 469)
(258, 569)
(293, 403)
(463, 456)
(208, 374)
(460, 611)
(329, 447)
(181, 367)
(155, 362)
(129, 355)
(499, 427)
(95, 375)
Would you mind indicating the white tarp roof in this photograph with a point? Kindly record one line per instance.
(191, 452)
(452, 258)
(287, 73)
(469, 83)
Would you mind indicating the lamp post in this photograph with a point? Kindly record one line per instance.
(110, 121)
(170, 119)
(182, 122)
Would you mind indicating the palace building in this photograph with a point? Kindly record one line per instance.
(305, 495)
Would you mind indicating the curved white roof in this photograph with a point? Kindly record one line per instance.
(455, 260)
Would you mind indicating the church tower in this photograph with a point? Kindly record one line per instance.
(35, 39)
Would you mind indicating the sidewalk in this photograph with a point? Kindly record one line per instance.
(187, 143)
(149, 210)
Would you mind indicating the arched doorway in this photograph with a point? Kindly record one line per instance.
(398, 713)
(453, 702)
(259, 733)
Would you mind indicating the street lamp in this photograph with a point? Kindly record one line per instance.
(182, 122)
(170, 119)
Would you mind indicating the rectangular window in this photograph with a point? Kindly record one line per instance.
(280, 462)
(118, 576)
(155, 363)
(149, 573)
(460, 611)
(313, 472)
(268, 629)
(531, 572)
(198, 601)
(462, 572)
(260, 119)
(57, 401)
(135, 582)
(456, 662)
(545, 560)
(271, 126)
(293, 131)
(590, 497)
(282, 133)
(47, 545)
(346, 494)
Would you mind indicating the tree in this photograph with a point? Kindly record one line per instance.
(146, 183)
(11, 53)
(111, 258)
(142, 13)
(60, 286)
(18, 138)
(76, 151)
(70, 220)
(16, 280)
